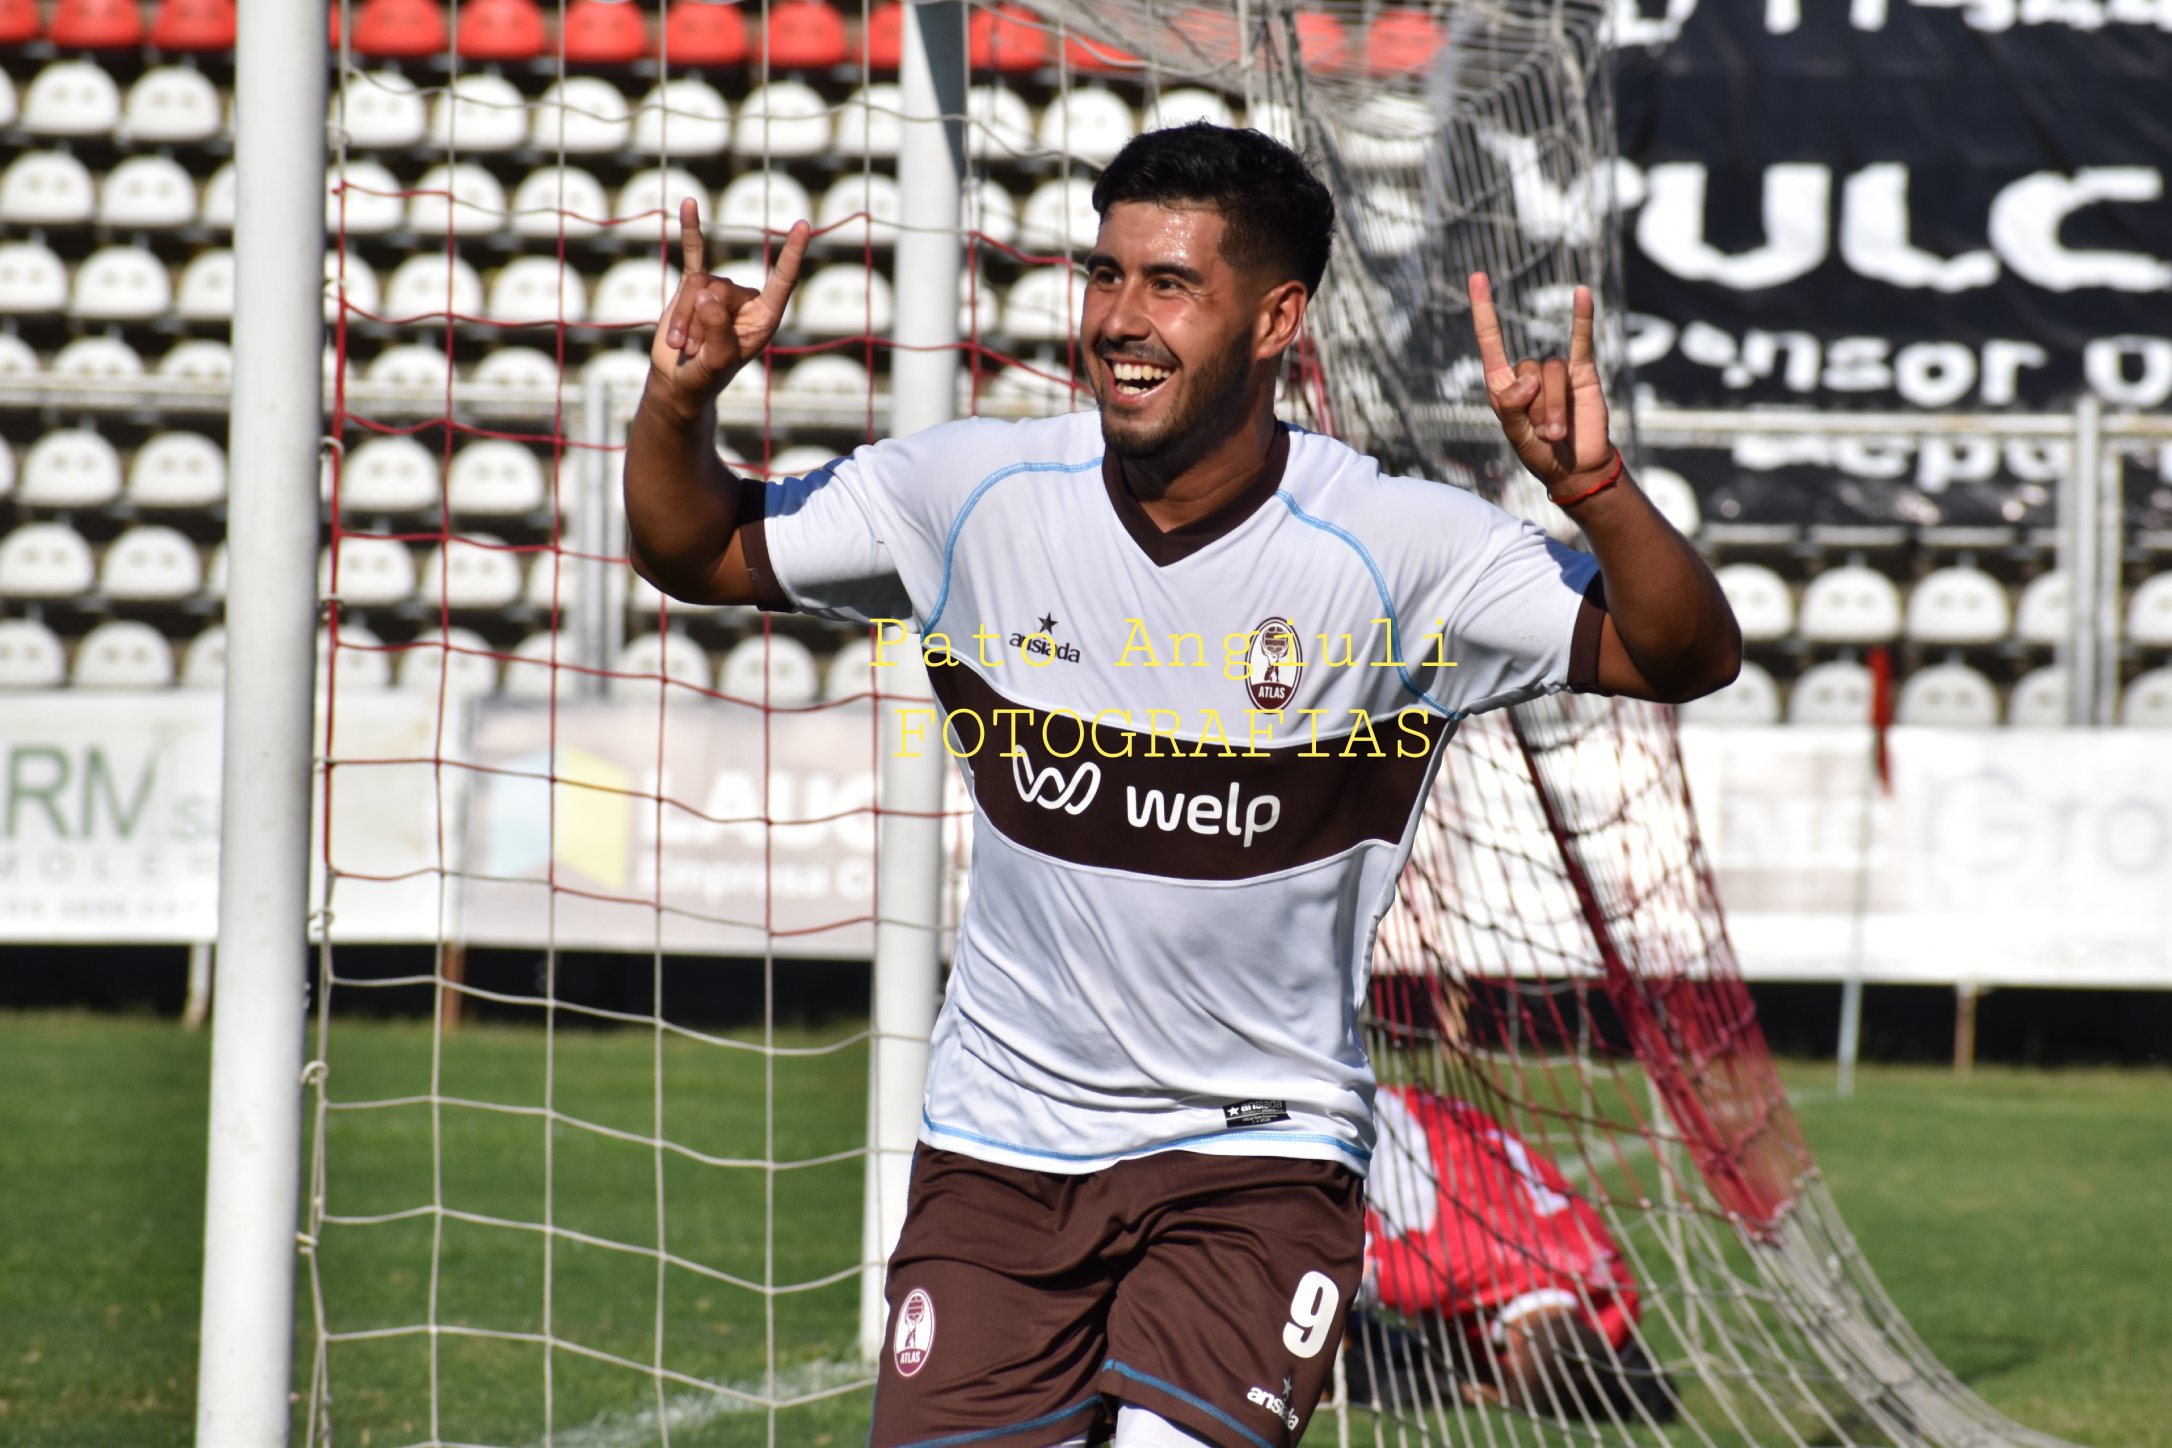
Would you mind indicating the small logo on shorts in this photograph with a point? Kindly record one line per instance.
(1274, 1403)
(915, 1335)
(1255, 1113)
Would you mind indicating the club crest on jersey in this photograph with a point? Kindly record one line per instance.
(1272, 664)
(914, 1337)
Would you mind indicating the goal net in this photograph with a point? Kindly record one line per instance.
(611, 1188)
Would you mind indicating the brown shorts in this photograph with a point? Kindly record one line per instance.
(1025, 1306)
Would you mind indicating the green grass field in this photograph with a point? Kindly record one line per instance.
(2018, 1219)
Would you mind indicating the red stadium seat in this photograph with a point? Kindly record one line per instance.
(883, 44)
(1209, 35)
(399, 29)
(806, 34)
(1323, 41)
(500, 30)
(1400, 41)
(1009, 38)
(703, 32)
(1084, 54)
(604, 32)
(97, 24)
(18, 21)
(195, 25)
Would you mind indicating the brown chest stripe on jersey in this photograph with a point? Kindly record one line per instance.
(1187, 817)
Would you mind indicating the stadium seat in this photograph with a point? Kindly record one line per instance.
(684, 117)
(47, 188)
(800, 460)
(500, 30)
(1091, 123)
(19, 25)
(2149, 613)
(633, 291)
(496, 477)
(1043, 305)
(844, 299)
(980, 306)
(32, 280)
(193, 26)
(1673, 496)
(96, 24)
(389, 475)
(703, 32)
(1390, 221)
(625, 370)
(399, 29)
(461, 658)
(2146, 703)
(999, 124)
(381, 110)
(672, 656)
(146, 193)
(17, 359)
(648, 204)
(479, 111)
(476, 573)
(2040, 618)
(69, 468)
(203, 661)
(1402, 42)
(122, 654)
(989, 211)
(529, 674)
(1008, 37)
(461, 196)
(1184, 105)
(1201, 32)
(101, 361)
(520, 369)
(758, 205)
(413, 367)
(200, 360)
(7, 467)
(177, 470)
(30, 656)
(1392, 133)
(373, 572)
(867, 123)
(1831, 693)
(1323, 42)
(783, 119)
(851, 670)
(171, 105)
(556, 581)
(215, 572)
(826, 377)
(151, 564)
(805, 35)
(1059, 217)
(1850, 604)
(120, 284)
(582, 115)
(364, 200)
(429, 284)
(1039, 387)
(882, 38)
(71, 98)
(205, 292)
(537, 289)
(1760, 600)
(1091, 57)
(45, 560)
(222, 196)
(1273, 118)
(1753, 698)
(1952, 696)
(1957, 606)
(351, 278)
(2039, 699)
(772, 669)
(603, 32)
(362, 663)
(559, 200)
(860, 209)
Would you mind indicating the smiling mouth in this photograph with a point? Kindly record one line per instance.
(1137, 379)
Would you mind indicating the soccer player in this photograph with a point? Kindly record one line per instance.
(1138, 1203)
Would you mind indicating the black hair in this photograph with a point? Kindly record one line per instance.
(1281, 218)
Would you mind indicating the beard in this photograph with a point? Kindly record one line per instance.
(1213, 405)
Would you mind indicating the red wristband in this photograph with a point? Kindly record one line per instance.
(1611, 479)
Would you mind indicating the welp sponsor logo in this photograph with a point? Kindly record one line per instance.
(1202, 814)
(1051, 788)
(913, 1340)
(1040, 646)
(1272, 663)
(1274, 1403)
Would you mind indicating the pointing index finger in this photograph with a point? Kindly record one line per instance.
(1580, 330)
(693, 246)
(1487, 324)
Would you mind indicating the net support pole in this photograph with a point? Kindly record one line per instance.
(259, 1008)
(923, 392)
(2092, 579)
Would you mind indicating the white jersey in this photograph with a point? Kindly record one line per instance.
(1197, 760)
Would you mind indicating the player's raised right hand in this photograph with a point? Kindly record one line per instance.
(714, 327)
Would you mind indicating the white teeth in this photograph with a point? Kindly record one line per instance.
(1138, 372)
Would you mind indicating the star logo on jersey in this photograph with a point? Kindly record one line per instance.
(1040, 646)
(1272, 663)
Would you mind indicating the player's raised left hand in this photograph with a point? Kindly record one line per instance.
(1554, 412)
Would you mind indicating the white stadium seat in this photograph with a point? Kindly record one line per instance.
(1182, 106)
(1059, 218)
(843, 299)
(583, 115)
(171, 105)
(555, 581)
(826, 376)
(496, 477)
(555, 200)
(1390, 220)
(1760, 600)
(797, 462)
(373, 572)
(624, 370)
(120, 284)
(222, 193)
(861, 209)
(756, 205)
(460, 657)
(1043, 305)
(380, 111)
(980, 305)
(673, 656)
(7, 468)
(529, 673)
(999, 123)
(151, 564)
(1037, 387)
(17, 358)
(363, 199)
(70, 468)
(684, 117)
(524, 369)
(177, 470)
(32, 279)
(772, 669)
(2146, 702)
(201, 359)
(103, 360)
(122, 653)
(477, 572)
(1951, 696)
(2149, 613)
(460, 197)
(215, 572)
(1956, 606)
(45, 560)
(203, 662)
(633, 291)
(431, 284)
(47, 188)
(1392, 133)
(648, 204)
(351, 277)
(1673, 496)
(478, 112)
(148, 192)
(989, 210)
(2040, 618)
(1272, 118)
(2039, 699)
(71, 98)
(784, 118)
(10, 111)
(30, 656)
(389, 475)
(537, 289)
(850, 670)
(1832, 693)
(1091, 123)
(362, 663)
(1753, 698)
(412, 367)
(1850, 604)
(205, 292)
(867, 123)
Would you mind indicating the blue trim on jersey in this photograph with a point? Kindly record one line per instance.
(1113, 1366)
(1317, 1138)
(957, 524)
(1380, 584)
(956, 1440)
